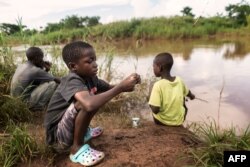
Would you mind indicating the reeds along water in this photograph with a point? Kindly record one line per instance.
(177, 27)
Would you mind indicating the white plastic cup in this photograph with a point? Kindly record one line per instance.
(135, 122)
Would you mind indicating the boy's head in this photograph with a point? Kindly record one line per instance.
(80, 58)
(35, 55)
(163, 62)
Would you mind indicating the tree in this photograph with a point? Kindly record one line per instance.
(92, 21)
(72, 22)
(77, 22)
(53, 27)
(11, 28)
(238, 12)
(186, 11)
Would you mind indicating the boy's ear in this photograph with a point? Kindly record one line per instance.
(72, 66)
(161, 68)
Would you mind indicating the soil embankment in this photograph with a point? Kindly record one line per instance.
(149, 145)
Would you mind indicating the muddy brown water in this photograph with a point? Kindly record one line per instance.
(217, 71)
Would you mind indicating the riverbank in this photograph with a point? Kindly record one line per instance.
(22, 134)
(148, 145)
(172, 28)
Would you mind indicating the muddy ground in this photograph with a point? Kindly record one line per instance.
(149, 145)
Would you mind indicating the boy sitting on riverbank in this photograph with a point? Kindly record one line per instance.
(32, 82)
(76, 101)
(167, 99)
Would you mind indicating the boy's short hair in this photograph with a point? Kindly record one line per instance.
(72, 52)
(33, 53)
(165, 60)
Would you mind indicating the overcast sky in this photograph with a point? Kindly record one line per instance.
(36, 13)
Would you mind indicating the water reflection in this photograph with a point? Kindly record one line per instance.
(207, 69)
(205, 66)
(237, 50)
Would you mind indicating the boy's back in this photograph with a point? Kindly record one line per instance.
(169, 97)
(28, 75)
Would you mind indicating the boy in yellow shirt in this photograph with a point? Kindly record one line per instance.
(167, 99)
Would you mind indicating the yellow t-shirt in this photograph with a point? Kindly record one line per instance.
(169, 97)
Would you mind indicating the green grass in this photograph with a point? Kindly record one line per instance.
(11, 109)
(176, 27)
(215, 142)
(14, 110)
(19, 146)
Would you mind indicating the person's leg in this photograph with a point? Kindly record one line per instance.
(186, 109)
(82, 123)
(158, 122)
(41, 95)
(74, 119)
(71, 132)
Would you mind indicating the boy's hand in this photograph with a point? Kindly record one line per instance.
(191, 95)
(137, 77)
(128, 84)
(47, 65)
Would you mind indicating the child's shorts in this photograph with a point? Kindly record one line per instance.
(65, 129)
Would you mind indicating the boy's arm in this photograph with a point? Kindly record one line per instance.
(154, 100)
(150, 90)
(154, 109)
(94, 102)
(47, 65)
(191, 95)
(57, 80)
(103, 86)
(138, 81)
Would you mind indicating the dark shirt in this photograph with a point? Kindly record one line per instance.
(27, 77)
(64, 96)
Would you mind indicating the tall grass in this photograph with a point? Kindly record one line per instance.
(215, 142)
(7, 68)
(106, 70)
(62, 36)
(19, 146)
(11, 109)
(58, 69)
(16, 145)
(176, 27)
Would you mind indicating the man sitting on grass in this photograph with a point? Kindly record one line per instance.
(32, 82)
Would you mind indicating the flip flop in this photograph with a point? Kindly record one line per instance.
(93, 133)
(87, 156)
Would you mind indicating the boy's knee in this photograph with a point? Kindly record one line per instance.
(79, 108)
(52, 85)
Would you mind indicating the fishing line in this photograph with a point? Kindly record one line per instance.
(201, 99)
(197, 98)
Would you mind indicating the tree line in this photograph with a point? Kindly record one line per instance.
(238, 13)
(68, 22)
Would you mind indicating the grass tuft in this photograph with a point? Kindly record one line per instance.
(19, 146)
(216, 142)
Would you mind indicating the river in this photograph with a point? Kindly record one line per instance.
(217, 71)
